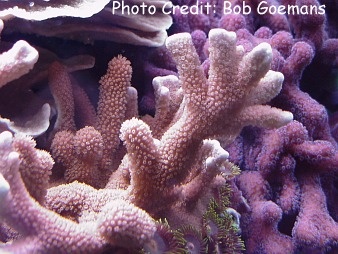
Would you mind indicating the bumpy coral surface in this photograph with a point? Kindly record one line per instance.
(179, 186)
(222, 139)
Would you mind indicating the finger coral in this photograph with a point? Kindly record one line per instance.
(221, 138)
(113, 222)
(211, 141)
(203, 105)
(180, 171)
(94, 147)
(304, 50)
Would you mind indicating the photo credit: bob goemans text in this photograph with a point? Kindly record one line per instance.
(263, 8)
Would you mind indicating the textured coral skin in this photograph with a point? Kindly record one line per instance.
(121, 170)
(152, 169)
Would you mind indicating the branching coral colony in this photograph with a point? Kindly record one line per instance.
(170, 193)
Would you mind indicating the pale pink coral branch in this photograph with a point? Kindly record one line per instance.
(35, 166)
(17, 61)
(61, 89)
(44, 231)
(112, 106)
(117, 102)
(80, 153)
(219, 105)
(171, 175)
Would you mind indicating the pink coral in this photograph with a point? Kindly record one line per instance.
(114, 221)
(179, 170)
(112, 107)
(199, 115)
(17, 61)
(61, 88)
(172, 163)
(80, 153)
(89, 154)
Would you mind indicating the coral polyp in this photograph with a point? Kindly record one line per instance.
(170, 132)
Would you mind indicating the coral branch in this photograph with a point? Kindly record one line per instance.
(112, 105)
(17, 61)
(45, 231)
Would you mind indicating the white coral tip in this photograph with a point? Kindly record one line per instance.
(1, 25)
(218, 33)
(13, 157)
(5, 139)
(132, 92)
(4, 187)
(240, 50)
(162, 80)
(263, 48)
(157, 142)
(176, 38)
(159, 87)
(276, 76)
(25, 52)
(287, 117)
(261, 56)
(164, 91)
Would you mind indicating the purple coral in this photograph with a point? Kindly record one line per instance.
(170, 185)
